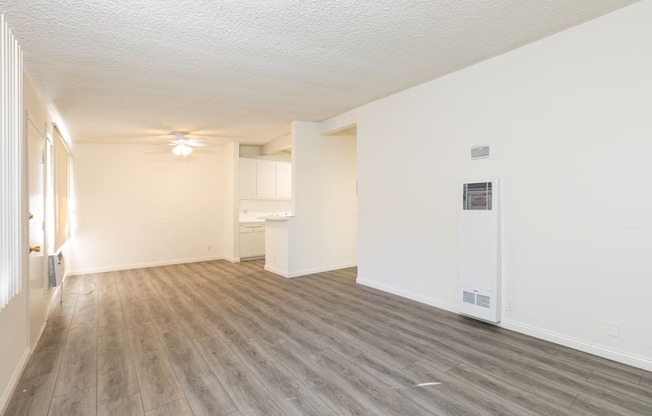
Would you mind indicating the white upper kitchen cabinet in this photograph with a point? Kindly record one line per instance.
(265, 179)
(283, 180)
(248, 179)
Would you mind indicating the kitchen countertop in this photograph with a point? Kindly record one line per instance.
(279, 218)
(260, 217)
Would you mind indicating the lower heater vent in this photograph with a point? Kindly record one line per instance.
(469, 297)
(478, 303)
(483, 301)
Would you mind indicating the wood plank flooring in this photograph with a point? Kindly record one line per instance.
(216, 338)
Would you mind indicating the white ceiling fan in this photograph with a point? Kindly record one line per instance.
(183, 145)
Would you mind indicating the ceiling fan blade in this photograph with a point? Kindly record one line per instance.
(203, 150)
(207, 133)
(194, 143)
(189, 138)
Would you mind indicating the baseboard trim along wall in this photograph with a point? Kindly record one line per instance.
(312, 270)
(55, 296)
(54, 299)
(629, 359)
(600, 351)
(103, 269)
(272, 269)
(437, 303)
(322, 269)
(13, 382)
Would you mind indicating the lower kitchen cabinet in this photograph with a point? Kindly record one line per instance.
(252, 240)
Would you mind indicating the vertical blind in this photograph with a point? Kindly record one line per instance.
(61, 158)
(11, 132)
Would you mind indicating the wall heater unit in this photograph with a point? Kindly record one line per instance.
(480, 254)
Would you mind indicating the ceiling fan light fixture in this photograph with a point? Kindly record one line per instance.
(182, 149)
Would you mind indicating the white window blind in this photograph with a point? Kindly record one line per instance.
(61, 158)
(11, 131)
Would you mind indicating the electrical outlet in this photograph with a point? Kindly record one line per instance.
(510, 306)
(209, 248)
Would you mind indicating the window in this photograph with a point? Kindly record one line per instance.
(61, 168)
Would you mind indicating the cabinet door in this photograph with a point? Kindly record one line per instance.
(259, 242)
(266, 179)
(283, 180)
(247, 179)
(246, 245)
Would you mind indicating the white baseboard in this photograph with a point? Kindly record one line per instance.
(577, 344)
(437, 303)
(13, 381)
(600, 351)
(53, 301)
(55, 298)
(272, 269)
(114, 268)
(304, 272)
(322, 269)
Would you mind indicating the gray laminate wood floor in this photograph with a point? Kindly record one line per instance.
(216, 338)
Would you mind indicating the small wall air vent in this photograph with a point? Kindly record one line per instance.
(479, 152)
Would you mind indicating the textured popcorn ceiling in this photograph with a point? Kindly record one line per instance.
(120, 70)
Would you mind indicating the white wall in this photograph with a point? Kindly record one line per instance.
(323, 235)
(568, 121)
(135, 208)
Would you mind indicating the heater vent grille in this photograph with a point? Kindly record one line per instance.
(477, 196)
(469, 297)
(483, 301)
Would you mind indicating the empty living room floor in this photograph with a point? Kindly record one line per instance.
(216, 338)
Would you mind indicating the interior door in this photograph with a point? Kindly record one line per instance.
(37, 288)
